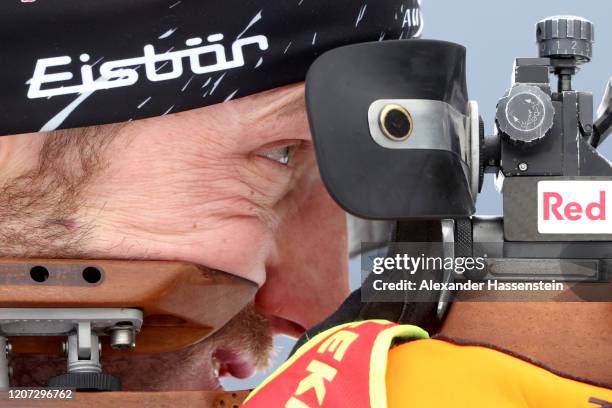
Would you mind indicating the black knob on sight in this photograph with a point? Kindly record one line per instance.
(85, 382)
(525, 114)
(566, 37)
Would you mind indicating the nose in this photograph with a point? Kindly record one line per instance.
(308, 279)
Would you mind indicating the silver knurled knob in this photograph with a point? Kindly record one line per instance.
(566, 37)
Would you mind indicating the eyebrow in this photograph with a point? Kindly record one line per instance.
(297, 104)
(288, 105)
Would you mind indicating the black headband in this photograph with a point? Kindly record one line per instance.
(72, 63)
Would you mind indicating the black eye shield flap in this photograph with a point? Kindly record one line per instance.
(73, 63)
(378, 176)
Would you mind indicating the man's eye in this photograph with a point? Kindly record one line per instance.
(280, 154)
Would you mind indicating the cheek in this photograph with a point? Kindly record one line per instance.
(308, 279)
(239, 246)
(320, 236)
(184, 185)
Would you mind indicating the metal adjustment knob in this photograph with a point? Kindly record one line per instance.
(566, 37)
(85, 382)
(525, 114)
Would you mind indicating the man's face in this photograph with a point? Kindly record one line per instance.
(232, 187)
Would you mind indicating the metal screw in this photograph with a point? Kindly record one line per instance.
(523, 166)
(8, 348)
(122, 337)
